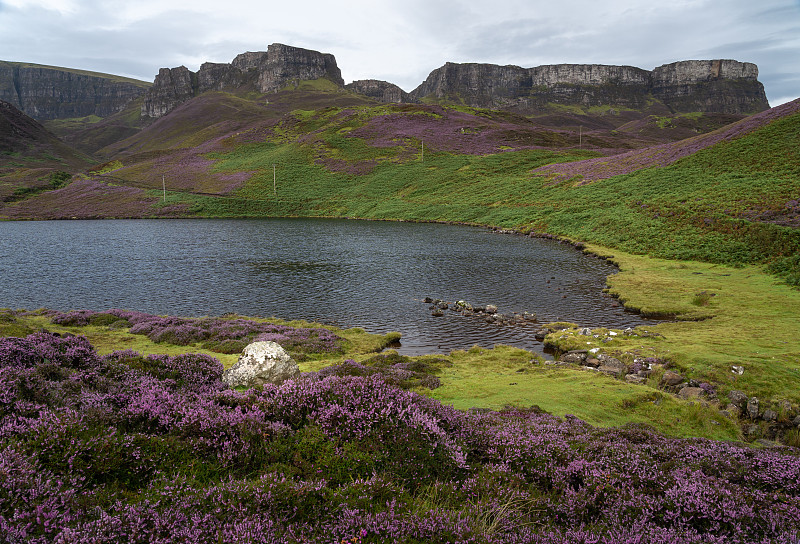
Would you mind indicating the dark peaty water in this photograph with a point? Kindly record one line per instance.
(346, 273)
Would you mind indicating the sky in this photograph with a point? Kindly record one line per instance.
(402, 42)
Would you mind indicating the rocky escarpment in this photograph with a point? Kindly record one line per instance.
(715, 86)
(382, 91)
(264, 71)
(720, 86)
(48, 92)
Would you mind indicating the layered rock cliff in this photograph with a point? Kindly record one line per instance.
(48, 92)
(266, 71)
(718, 86)
(722, 86)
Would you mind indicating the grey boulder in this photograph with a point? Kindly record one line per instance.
(261, 363)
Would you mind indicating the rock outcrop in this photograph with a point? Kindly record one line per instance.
(265, 71)
(382, 91)
(171, 88)
(715, 86)
(721, 86)
(49, 92)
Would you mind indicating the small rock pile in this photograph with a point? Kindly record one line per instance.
(488, 312)
(763, 422)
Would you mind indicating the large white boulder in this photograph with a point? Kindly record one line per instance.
(261, 363)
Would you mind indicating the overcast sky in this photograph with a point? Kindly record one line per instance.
(402, 41)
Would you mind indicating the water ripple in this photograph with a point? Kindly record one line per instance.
(346, 273)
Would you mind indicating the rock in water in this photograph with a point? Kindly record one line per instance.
(261, 363)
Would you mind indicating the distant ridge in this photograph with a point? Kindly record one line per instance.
(710, 86)
(53, 92)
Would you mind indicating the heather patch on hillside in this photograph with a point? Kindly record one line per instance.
(90, 198)
(664, 154)
(220, 335)
(158, 449)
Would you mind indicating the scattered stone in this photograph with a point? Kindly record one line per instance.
(738, 399)
(630, 378)
(788, 409)
(767, 443)
(437, 312)
(769, 415)
(612, 366)
(671, 379)
(463, 305)
(752, 408)
(261, 363)
(540, 334)
(490, 309)
(738, 370)
(690, 393)
(574, 357)
(585, 332)
(427, 300)
(796, 422)
(751, 431)
(592, 362)
(731, 412)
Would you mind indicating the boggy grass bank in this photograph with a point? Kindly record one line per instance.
(476, 378)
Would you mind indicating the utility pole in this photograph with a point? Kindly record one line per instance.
(164, 187)
(423, 150)
(274, 182)
(580, 137)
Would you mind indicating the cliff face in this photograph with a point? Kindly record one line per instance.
(45, 92)
(723, 86)
(284, 64)
(718, 86)
(267, 71)
(492, 86)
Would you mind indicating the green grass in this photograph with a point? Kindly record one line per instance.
(750, 320)
(106, 339)
(505, 376)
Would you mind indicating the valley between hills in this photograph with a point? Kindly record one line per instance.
(682, 176)
(683, 201)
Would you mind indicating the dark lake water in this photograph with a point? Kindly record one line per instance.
(345, 273)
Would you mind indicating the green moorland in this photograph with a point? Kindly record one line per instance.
(710, 241)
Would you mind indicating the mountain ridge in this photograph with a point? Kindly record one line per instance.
(713, 86)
